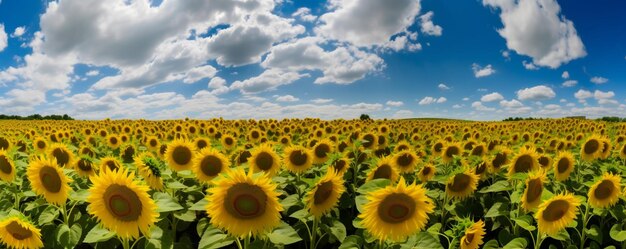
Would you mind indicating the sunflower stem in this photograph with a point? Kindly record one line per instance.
(238, 243)
(314, 233)
(246, 242)
(539, 240)
(583, 234)
(17, 201)
(125, 243)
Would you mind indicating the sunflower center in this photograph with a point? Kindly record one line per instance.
(460, 182)
(544, 161)
(563, 165)
(481, 168)
(255, 134)
(243, 157)
(113, 140)
(61, 155)
(4, 143)
(181, 155)
(452, 150)
(383, 171)
(438, 147)
(426, 171)
(18, 232)
(321, 150)
(123, 203)
(499, 160)
(245, 201)
(339, 165)
(41, 144)
(396, 208)
(555, 210)
(624, 149)
(323, 192)
(298, 158)
(211, 165)
(5, 165)
(112, 165)
(264, 160)
(534, 190)
(477, 151)
(228, 141)
(84, 165)
(50, 179)
(469, 237)
(405, 160)
(604, 189)
(153, 142)
(523, 164)
(201, 144)
(369, 138)
(591, 146)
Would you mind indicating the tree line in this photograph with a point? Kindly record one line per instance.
(36, 117)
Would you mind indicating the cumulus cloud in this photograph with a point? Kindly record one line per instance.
(494, 96)
(92, 73)
(431, 100)
(19, 31)
(477, 105)
(582, 95)
(427, 25)
(529, 65)
(565, 75)
(286, 98)
(218, 86)
(321, 101)
(268, 80)
(536, 93)
(394, 103)
(570, 83)
(537, 28)
(599, 80)
(511, 104)
(367, 23)
(304, 14)
(443, 87)
(482, 71)
(4, 40)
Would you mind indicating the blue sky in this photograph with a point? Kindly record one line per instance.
(473, 59)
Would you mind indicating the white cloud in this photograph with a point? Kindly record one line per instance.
(19, 31)
(304, 14)
(477, 105)
(582, 95)
(466, 99)
(367, 23)
(599, 80)
(482, 71)
(321, 101)
(441, 100)
(506, 54)
(565, 75)
(494, 96)
(287, 98)
(4, 40)
(92, 73)
(457, 106)
(443, 87)
(268, 80)
(198, 73)
(511, 104)
(218, 86)
(394, 103)
(570, 83)
(537, 29)
(529, 65)
(430, 100)
(403, 114)
(603, 95)
(427, 25)
(536, 93)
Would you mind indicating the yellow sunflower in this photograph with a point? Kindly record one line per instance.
(113, 141)
(396, 212)
(127, 153)
(341, 165)
(473, 236)
(149, 167)
(555, 214)
(450, 151)
(122, 204)
(18, 233)
(40, 144)
(263, 158)
(244, 204)
(201, 143)
(325, 194)
(405, 161)
(591, 148)
(297, 159)
(209, 163)
(109, 163)
(384, 169)
(7, 168)
(63, 155)
(605, 192)
(179, 155)
(47, 179)
(426, 173)
(462, 184)
(563, 165)
(228, 142)
(500, 159)
(84, 167)
(534, 188)
(525, 161)
(322, 150)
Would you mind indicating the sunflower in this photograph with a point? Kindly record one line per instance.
(244, 204)
(450, 151)
(369, 141)
(325, 194)
(341, 165)
(263, 158)
(622, 152)
(405, 161)
(555, 214)
(605, 192)
(127, 153)
(149, 168)
(606, 148)
(209, 163)
(591, 149)
(61, 154)
(228, 142)
(7, 168)
(297, 159)
(534, 188)
(19, 233)
(201, 143)
(122, 204)
(113, 141)
(473, 236)
(426, 173)
(396, 212)
(109, 163)
(437, 148)
(47, 179)
(322, 150)
(563, 165)
(179, 155)
(500, 159)
(40, 144)
(84, 167)
(384, 169)
(153, 143)
(462, 184)
(525, 161)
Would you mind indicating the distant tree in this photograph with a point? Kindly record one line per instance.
(35, 117)
(365, 117)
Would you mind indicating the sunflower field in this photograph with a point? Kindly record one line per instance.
(310, 183)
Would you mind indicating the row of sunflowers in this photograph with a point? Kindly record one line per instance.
(310, 183)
